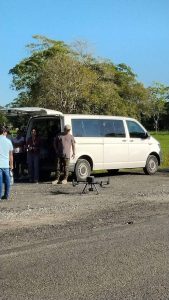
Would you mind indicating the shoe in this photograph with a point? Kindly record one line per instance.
(64, 181)
(55, 181)
(4, 198)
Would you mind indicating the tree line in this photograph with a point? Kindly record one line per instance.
(70, 79)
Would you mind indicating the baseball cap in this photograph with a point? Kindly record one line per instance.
(67, 127)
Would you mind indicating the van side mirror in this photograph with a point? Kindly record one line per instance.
(144, 135)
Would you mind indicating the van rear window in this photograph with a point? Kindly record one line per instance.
(86, 128)
(98, 128)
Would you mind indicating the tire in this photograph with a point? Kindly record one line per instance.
(112, 171)
(82, 169)
(151, 165)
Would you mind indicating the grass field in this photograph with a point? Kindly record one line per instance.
(163, 138)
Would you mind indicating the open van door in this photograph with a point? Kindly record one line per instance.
(32, 111)
(48, 123)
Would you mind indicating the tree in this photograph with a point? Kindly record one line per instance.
(3, 119)
(64, 84)
(158, 96)
(59, 76)
(133, 93)
(26, 73)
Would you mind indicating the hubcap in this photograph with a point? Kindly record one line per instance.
(152, 165)
(83, 171)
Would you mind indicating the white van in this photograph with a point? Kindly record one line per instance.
(102, 142)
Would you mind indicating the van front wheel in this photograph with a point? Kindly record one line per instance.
(82, 169)
(151, 165)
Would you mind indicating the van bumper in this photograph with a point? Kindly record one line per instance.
(161, 157)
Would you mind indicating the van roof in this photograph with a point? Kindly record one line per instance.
(78, 116)
(84, 116)
(40, 111)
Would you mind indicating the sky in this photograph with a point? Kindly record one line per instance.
(134, 32)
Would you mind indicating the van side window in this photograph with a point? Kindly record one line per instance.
(135, 130)
(113, 128)
(86, 127)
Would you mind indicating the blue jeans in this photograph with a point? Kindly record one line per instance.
(4, 178)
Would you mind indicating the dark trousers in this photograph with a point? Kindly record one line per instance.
(62, 165)
(19, 164)
(33, 166)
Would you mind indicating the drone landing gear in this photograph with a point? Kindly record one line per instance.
(90, 189)
(90, 183)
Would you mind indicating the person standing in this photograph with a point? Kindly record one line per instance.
(63, 144)
(19, 155)
(33, 154)
(6, 163)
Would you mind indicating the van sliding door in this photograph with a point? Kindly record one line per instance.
(115, 144)
(89, 141)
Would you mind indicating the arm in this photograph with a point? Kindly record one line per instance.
(11, 160)
(73, 148)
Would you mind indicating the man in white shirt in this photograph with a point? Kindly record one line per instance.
(6, 163)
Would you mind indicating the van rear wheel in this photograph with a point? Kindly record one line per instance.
(151, 165)
(82, 169)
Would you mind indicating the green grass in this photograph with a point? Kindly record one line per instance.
(163, 138)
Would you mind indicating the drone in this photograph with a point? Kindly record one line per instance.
(91, 183)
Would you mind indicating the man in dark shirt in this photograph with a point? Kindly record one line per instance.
(63, 144)
(33, 155)
(19, 154)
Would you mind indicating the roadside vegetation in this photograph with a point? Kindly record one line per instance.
(163, 138)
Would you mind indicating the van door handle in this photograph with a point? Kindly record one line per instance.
(131, 140)
(124, 140)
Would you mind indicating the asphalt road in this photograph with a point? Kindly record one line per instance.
(58, 244)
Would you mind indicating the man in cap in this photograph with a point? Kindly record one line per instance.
(6, 163)
(63, 144)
